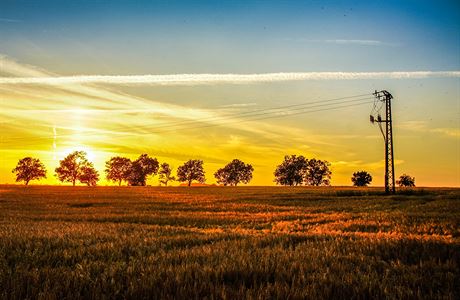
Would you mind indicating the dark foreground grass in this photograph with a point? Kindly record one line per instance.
(228, 243)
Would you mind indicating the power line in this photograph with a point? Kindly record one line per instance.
(252, 113)
(271, 117)
(196, 122)
(260, 112)
(337, 106)
(249, 114)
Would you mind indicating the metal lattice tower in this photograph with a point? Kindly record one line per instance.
(385, 96)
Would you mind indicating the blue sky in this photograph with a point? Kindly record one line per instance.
(232, 36)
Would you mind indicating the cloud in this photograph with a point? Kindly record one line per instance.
(415, 125)
(357, 42)
(6, 20)
(101, 113)
(207, 79)
(237, 105)
(375, 165)
(422, 126)
(348, 42)
(451, 132)
(12, 67)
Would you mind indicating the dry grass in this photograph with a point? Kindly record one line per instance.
(229, 243)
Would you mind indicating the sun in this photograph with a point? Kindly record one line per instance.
(90, 153)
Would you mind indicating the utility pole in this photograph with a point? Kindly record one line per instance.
(385, 96)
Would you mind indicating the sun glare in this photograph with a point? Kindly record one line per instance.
(90, 153)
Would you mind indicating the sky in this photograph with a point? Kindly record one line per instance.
(218, 80)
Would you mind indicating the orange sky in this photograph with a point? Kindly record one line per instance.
(178, 81)
(49, 121)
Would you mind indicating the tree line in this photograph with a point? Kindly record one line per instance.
(293, 171)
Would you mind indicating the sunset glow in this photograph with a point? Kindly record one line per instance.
(230, 149)
(100, 77)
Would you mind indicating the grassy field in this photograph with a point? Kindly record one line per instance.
(228, 243)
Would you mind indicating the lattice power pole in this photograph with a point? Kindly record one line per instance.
(384, 96)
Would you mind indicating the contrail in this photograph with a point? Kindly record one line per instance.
(207, 79)
(350, 42)
(54, 142)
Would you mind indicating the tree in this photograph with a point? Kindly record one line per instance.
(291, 171)
(29, 169)
(234, 172)
(73, 166)
(191, 170)
(317, 173)
(118, 169)
(361, 178)
(165, 174)
(89, 175)
(406, 181)
(141, 168)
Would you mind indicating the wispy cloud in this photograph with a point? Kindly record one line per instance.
(238, 105)
(355, 164)
(207, 79)
(6, 20)
(414, 125)
(69, 107)
(452, 132)
(360, 42)
(422, 126)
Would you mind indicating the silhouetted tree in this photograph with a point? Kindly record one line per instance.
(165, 174)
(72, 167)
(141, 168)
(291, 171)
(406, 181)
(317, 173)
(89, 175)
(29, 169)
(191, 170)
(361, 178)
(118, 169)
(234, 172)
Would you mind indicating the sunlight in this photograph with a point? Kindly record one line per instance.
(210, 101)
(229, 149)
(90, 152)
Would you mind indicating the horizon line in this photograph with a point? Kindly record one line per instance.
(217, 185)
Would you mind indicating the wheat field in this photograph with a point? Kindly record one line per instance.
(228, 243)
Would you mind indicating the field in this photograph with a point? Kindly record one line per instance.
(228, 243)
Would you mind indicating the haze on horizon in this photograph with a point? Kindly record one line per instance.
(113, 77)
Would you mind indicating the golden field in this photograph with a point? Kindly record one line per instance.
(228, 243)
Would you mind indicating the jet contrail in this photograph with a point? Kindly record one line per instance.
(206, 79)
